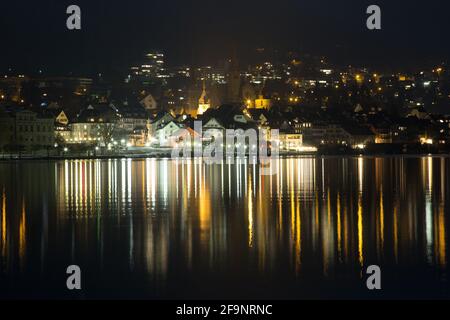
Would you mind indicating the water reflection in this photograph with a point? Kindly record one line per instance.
(3, 226)
(156, 221)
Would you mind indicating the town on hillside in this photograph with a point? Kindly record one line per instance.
(316, 106)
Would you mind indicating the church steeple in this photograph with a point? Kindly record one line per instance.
(204, 102)
(202, 99)
(234, 80)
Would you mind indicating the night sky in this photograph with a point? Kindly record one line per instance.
(116, 33)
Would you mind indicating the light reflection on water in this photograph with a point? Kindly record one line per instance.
(163, 228)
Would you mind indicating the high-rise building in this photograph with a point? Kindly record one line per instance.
(151, 67)
(153, 64)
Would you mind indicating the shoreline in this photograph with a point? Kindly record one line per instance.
(168, 156)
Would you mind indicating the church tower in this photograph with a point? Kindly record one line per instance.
(234, 81)
(203, 102)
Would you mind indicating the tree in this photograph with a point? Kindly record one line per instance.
(106, 131)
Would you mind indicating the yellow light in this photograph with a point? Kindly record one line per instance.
(360, 231)
(425, 140)
(307, 149)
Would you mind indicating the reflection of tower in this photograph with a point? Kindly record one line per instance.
(234, 81)
(203, 102)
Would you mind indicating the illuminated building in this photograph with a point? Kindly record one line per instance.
(290, 141)
(94, 125)
(62, 130)
(262, 103)
(132, 125)
(214, 75)
(165, 135)
(21, 128)
(204, 102)
(258, 103)
(152, 67)
(61, 118)
(160, 120)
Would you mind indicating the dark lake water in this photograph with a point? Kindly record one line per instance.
(157, 228)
